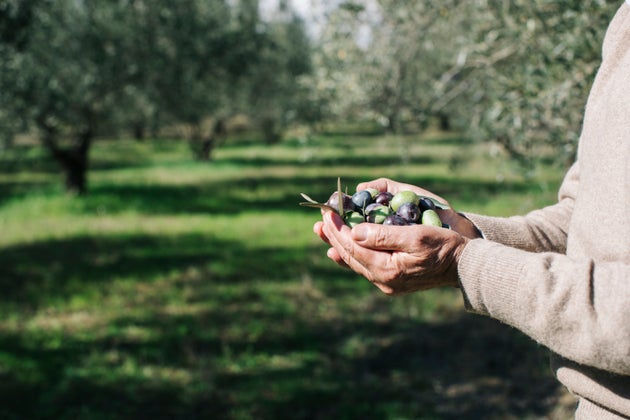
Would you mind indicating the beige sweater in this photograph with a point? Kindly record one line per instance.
(562, 274)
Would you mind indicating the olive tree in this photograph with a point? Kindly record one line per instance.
(511, 72)
(386, 60)
(334, 87)
(75, 69)
(527, 71)
(65, 75)
(271, 93)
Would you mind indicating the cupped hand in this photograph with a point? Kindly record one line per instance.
(396, 259)
(386, 184)
(455, 220)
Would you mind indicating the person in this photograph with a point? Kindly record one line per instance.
(560, 274)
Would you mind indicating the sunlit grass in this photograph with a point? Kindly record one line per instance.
(185, 289)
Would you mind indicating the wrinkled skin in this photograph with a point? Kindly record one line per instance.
(398, 259)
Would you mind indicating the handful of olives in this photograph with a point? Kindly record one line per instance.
(382, 207)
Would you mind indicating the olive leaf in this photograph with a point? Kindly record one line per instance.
(312, 203)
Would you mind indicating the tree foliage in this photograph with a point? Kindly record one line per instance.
(512, 72)
(75, 69)
(528, 72)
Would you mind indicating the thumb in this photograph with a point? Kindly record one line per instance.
(375, 236)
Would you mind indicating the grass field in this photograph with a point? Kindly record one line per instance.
(187, 290)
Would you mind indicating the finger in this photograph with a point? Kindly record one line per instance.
(332, 252)
(364, 261)
(318, 228)
(334, 255)
(340, 239)
(380, 184)
(385, 184)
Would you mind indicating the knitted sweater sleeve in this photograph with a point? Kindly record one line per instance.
(540, 230)
(519, 274)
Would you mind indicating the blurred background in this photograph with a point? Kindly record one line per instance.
(154, 260)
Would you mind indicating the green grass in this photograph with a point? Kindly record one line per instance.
(182, 289)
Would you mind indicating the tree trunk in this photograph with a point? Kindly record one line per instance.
(392, 122)
(445, 121)
(271, 130)
(73, 160)
(75, 170)
(210, 142)
(139, 129)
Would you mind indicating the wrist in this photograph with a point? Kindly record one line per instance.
(465, 227)
(452, 277)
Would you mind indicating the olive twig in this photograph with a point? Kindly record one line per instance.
(340, 202)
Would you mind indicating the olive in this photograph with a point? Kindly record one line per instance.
(373, 191)
(361, 199)
(395, 220)
(403, 197)
(383, 198)
(353, 218)
(410, 212)
(431, 218)
(369, 208)
(333, 202)
(378, 214)
(383, 207)
(426, 203)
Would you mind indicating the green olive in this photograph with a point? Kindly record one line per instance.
(403, 197)
(373, 191)
(378, 214)
(431, 218)
(353, 218)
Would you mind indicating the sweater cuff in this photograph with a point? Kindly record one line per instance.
(498, 229)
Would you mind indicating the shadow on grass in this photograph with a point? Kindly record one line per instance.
(470, 368)
(32, 274)
(222, 331)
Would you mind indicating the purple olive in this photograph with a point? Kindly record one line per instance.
(395, 220)
(410, 212)
(333, 202)
(426, 204)
(361, 199)
(384, 198)
(369, 208)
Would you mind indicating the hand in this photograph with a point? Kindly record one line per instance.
(455, 220)
(396, 259)
(399, 259)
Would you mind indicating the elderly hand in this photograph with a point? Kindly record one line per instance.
(398, 259)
